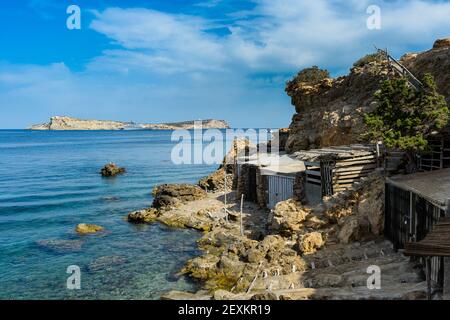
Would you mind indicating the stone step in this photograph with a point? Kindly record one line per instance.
(407, 291)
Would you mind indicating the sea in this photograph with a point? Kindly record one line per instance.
(50, 182)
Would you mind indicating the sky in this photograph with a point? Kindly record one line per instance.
(154, 61)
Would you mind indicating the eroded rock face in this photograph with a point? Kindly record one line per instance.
(171, 195)
(357, 212)
(331, 113)
(441, 43)
(111, 170)
(85, 228)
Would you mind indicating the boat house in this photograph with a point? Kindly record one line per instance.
(415, 204)
(335, 169)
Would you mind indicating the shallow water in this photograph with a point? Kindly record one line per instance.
(49, 182)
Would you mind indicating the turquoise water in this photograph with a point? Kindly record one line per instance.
(49, 182)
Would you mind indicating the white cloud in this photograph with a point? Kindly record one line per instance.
(174, 42)
(276, 36)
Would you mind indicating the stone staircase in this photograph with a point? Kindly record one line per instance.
(340, 272)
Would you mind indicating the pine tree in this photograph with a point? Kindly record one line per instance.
(405, 117)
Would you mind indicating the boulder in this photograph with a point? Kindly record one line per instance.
(85, 228)
(111, 170)
(143, 216)
(350, 231)
(171, 195)
(288, 217)
(60, 246)
(310, 242)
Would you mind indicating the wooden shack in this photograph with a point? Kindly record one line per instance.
(284, 180)
(335, 169)
(267, 180)
(414, 204)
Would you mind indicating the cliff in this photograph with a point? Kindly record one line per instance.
(331, 111)
(68, 123)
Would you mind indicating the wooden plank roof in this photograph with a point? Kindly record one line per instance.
(336, 153)
(431, 185)
(435, 244)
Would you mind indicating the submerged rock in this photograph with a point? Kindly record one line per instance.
(84, 228)
(106, 262)
(60, 246)
(111, 170)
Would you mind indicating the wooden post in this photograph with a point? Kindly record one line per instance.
(446, 289)
(428, 276)
(225, 195)
(242, 226)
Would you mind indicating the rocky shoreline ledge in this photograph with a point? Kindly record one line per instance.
(292, 252)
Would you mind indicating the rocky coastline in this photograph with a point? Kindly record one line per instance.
(293, 252)
(298, 251)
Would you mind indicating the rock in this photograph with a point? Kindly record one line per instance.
(171, 195)
(441, 43)
(255, 255)
(181, 295)
(60, 246)
(287, 217)
(310, 242)
(323, 280)
(226, 295)
(230, 264)
(216, 181)
(201, 267)
(111, 170)
(267, 295)
(350, 231)
(143, 216)
(240, 148)
(84, 228)
(315, 222)
(105, 263)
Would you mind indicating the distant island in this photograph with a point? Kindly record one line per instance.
(69, 123)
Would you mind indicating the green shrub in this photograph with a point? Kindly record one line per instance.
(368, 58)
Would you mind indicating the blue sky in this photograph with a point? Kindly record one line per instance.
(161, 61)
